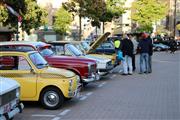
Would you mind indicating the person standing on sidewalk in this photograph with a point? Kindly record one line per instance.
(127, 49)
(144, 49)
(150, 53)
(135, 44)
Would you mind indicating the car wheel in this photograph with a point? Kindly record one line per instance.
(51, 98)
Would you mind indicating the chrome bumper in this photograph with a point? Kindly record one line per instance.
(90, 79)
(13, 112)
(76, 92)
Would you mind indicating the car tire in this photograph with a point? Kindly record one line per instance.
(51, 98)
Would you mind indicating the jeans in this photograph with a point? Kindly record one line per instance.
(134, 62)
(150, 64)
(144, 62)
(127, 63)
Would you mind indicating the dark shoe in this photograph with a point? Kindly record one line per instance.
(129, 73)
(124, 74)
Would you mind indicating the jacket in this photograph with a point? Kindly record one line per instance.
(127, 47)
(145, 46)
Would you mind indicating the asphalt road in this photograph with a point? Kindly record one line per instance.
(154, 96)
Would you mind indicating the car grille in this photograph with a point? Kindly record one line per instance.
(92, 69)
(6, 98)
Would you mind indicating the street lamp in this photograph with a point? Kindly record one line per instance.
(19, 18)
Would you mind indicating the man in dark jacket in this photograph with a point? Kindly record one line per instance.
(150, 53)
(145, 49)
(127, 49)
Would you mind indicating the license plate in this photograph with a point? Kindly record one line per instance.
(7, 108)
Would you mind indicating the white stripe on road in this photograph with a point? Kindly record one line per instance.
(65, 112)
(56, 118)
(102, 84)
(89, 93)
(41, 115)
(83, 98)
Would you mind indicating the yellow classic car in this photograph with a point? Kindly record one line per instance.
(38, 81)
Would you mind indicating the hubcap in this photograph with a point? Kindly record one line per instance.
(51, 98)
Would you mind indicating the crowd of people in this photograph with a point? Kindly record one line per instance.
(129, 47)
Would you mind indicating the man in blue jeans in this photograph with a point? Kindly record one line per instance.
(127, 49)
(145, 48)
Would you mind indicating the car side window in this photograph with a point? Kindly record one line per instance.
(59, 50)
(13, 63)
(23, 64)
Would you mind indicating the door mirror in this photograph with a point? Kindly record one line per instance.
(32, 71)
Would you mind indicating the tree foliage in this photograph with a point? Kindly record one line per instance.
(178, 27)
(96, 10)
(32, 15)
(62, 21)
(146, 12)
(3, 14)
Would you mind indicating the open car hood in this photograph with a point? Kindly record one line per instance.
(99, 41)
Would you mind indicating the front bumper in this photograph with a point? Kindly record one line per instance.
(13, 112)
(76, 91)
(90, 78)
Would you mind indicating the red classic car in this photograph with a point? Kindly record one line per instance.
(84, 68)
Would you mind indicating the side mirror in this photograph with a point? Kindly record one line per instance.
(32, 71)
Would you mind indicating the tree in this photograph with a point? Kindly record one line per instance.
(3, 14)
(32, 15)
(147, 12)
(96, 10)
(114, 8)
(84, 8)
(62, 21)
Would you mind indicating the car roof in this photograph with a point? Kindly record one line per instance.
(64, 42)
(16, 51)
(32, 43)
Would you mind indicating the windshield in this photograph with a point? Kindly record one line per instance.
(46, 52)
(85, 45)
(74, 50)
(38, 60)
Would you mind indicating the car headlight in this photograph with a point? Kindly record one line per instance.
(18, 92)
(70, 85)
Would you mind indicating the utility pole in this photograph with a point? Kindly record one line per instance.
(175, 2)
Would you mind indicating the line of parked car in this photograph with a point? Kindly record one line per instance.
(47, 72)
